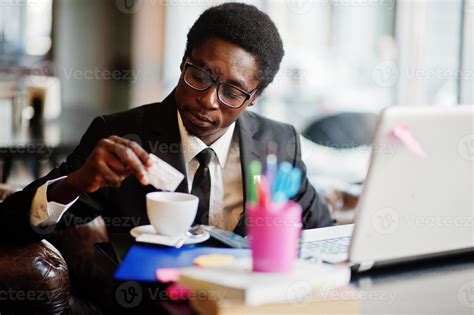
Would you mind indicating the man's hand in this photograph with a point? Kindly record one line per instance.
(112, 160)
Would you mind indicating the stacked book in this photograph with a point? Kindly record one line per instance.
(235, 289)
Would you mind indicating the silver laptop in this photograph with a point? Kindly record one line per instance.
(417, 200)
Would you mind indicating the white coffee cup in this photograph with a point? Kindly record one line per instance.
(171, 213)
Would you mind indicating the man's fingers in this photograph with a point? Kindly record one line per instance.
(134, 163)
(110, 177)
(129, 158)
(137, 149)
(115, 164)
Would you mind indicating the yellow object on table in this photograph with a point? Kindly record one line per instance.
(214, 260)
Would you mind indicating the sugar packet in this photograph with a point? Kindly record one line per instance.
(162, 175)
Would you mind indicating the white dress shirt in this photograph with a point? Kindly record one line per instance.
(44, 212)
(226, 196)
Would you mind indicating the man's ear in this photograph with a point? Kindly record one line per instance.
(181, 66)
(254, 99)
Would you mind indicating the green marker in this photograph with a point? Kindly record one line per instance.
(255, 170)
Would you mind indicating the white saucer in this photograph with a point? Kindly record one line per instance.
(147, 234)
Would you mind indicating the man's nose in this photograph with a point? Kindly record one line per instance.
(208, 98)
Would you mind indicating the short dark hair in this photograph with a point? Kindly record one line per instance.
(245, 26)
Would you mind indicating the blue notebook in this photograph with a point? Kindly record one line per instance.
(141, 261)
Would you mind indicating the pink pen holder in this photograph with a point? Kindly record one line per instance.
(274, 236)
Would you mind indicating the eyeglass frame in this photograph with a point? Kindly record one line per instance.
(217, 84)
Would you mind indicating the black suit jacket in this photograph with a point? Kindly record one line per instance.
(155, 127)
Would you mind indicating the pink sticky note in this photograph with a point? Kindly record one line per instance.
(403, 134)
(167, 275)
(177, 292)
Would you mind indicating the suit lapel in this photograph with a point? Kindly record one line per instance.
(164, 139)
(250, 149)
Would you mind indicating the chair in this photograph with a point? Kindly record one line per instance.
(343, 131)
(53, 276)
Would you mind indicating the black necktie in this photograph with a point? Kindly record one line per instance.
(202, 185)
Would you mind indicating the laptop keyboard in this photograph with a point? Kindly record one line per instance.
(331, 246)
(329, 250)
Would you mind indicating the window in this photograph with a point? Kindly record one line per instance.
(335, 51)
(25, 30)
(430, 39)
(332, 51)
(353, 55)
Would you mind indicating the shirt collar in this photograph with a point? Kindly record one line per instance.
(192, 145)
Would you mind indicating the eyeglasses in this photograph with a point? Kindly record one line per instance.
(201, 80)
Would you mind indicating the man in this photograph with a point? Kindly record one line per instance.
(202, 129)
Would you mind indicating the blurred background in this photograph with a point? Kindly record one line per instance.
(62, 62)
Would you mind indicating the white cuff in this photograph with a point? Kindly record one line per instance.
(44, 212)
